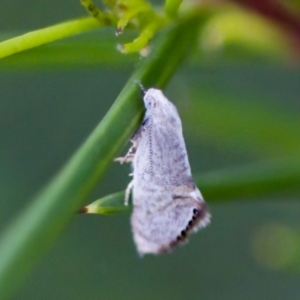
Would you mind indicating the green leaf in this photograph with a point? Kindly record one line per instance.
(254, 181)
(26, 239)
(108, 205)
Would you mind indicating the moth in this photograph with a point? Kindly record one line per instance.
(167, 205)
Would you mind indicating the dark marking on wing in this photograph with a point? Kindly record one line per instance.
(180, 197)
(182, 238)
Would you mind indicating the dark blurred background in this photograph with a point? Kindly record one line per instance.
(239, 105)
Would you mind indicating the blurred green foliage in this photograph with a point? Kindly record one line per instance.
(238, 96)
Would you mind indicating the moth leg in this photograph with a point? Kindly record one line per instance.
(127, 192)
(129, 156)
(131, 152)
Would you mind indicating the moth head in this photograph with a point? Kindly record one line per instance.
(160, 109)
(152, 97)
(155, 100)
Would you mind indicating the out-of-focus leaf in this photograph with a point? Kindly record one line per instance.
(250, 125)
(233, 30)
(24, 242)
(229, 33)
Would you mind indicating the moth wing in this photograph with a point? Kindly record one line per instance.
(160, 230)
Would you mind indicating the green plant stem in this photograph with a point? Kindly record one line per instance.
(254, 181)
(46, 35)
(26, 239)
(241, 183)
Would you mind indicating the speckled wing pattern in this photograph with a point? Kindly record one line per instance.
(167, 205)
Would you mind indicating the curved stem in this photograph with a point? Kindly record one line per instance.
(47, 35)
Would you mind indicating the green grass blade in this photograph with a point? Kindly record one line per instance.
(253, 181)
(108, 205)
(24, 242)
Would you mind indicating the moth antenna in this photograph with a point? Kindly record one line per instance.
(138, 82)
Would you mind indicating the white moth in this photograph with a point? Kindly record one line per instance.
(167, 205)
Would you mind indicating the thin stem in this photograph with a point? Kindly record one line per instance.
(46, 35)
